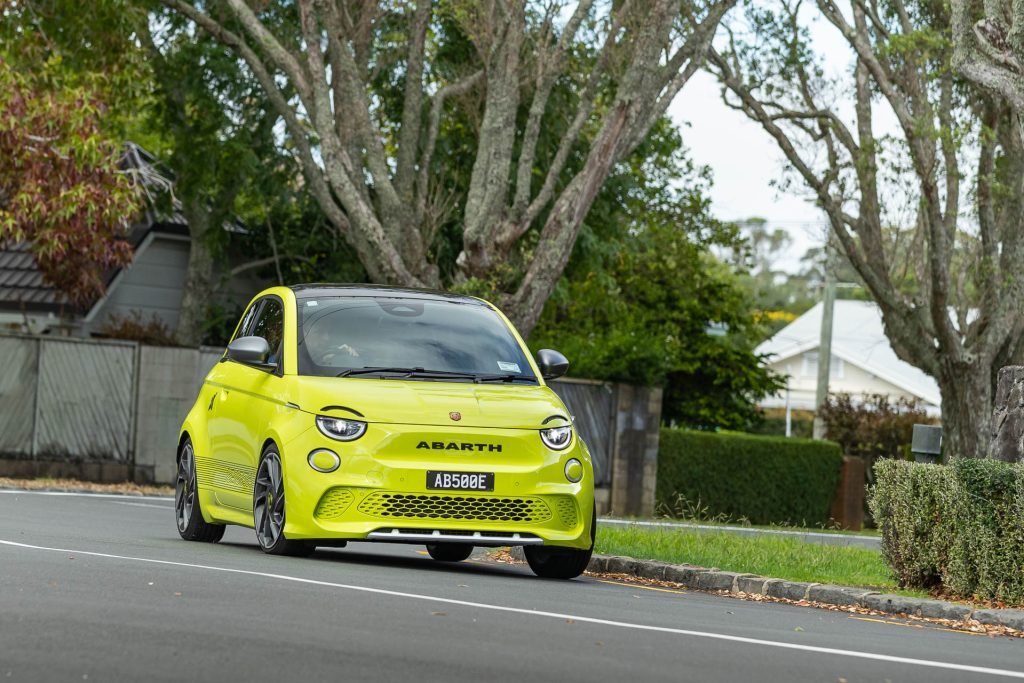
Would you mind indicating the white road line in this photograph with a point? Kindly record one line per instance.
(553, 615)
(83, 494)
(143, 505)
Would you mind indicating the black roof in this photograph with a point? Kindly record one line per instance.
(320, 289)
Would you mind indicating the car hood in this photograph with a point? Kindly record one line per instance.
(508, 406)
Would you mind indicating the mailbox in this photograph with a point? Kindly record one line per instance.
(926, 444)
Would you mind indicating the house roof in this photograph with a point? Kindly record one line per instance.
(21, 283)
(858, 337)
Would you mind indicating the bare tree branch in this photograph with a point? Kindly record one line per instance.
(412, 104)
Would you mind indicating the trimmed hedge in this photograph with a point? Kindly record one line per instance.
(764, 479)
(958, 527)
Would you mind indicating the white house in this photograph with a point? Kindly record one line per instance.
(862, 359)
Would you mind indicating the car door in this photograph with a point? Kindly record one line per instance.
(247, 399)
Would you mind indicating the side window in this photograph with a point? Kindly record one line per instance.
(270, 326)
(247, 320)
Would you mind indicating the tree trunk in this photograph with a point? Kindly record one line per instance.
(195, 294)
(966, 408)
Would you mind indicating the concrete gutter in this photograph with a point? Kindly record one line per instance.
(701, 578)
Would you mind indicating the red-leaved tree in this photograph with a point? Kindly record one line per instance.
(61, 191)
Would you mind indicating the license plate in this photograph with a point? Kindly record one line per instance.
(460, 481)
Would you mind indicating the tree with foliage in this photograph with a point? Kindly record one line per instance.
(651, 304)
(215, 132)
(949, 179)
(61, 190)
(328, 66)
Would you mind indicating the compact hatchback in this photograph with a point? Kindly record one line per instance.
(356, 413)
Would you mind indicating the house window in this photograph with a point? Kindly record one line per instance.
(836, 370)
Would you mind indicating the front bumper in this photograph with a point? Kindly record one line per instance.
(379, 491)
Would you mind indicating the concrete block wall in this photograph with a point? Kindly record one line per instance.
(168, 382)
(635, 457)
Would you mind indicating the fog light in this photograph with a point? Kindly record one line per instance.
(323, 460)
(573, 470)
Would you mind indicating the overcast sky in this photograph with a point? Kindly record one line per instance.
(744, 159)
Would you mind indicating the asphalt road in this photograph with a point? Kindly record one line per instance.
(101, 588)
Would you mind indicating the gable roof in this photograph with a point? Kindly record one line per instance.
(22, 286)
(858, 337)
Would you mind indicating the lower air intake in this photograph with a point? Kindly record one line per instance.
(333, 503)
(524, 510)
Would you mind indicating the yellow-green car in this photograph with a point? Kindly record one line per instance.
(362, 413)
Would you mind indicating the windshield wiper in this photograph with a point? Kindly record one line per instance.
(370, 370)
(407, 372)
(501, 378)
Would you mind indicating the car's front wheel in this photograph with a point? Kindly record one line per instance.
(557, 563)
(449, 552)
(187, 513)
(268, 508)
(561, 563)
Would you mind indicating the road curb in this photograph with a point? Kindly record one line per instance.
(702, 578)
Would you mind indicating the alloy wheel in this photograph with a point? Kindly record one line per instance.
(185, 487)
(268, 501)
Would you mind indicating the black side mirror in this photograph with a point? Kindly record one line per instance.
(552, 364)
(251, 351)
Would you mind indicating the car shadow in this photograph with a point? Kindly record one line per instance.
(353, 555)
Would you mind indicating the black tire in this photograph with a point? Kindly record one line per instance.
(268, 508)
(449, 552)
(550, 562)
(187, 511)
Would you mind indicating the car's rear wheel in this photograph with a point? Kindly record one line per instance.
(269, 507)
(187, 513)
(449, 552)
(561, 563)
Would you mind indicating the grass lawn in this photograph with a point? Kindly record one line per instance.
(771, 556)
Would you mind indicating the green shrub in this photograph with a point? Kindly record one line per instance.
(763, 479)
(959, 528)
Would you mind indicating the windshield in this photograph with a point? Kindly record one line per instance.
(407, 338)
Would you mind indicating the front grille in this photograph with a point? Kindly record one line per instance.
(333, 503)
(476, 508)
(566, 507)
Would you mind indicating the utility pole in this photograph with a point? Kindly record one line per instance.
(825, 345)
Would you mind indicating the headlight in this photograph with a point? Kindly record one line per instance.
(339, 428)
(557, 438)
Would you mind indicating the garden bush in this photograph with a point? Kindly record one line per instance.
(873, 426)
(956, 528)
(761, 479)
